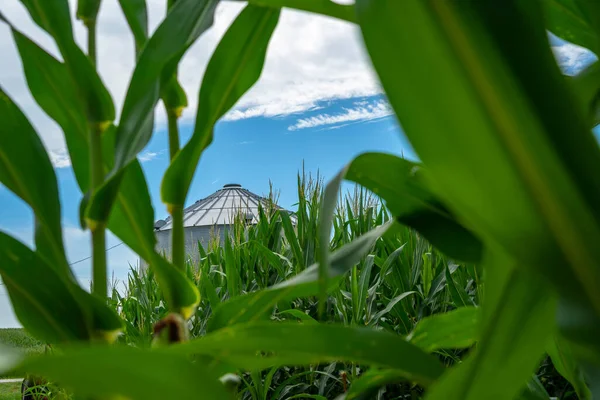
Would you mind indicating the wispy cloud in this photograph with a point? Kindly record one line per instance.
(149, 155)
(60, 158)
(246, 142)
(215, 181)
(361, 113)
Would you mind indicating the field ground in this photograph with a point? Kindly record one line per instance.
(10, 391)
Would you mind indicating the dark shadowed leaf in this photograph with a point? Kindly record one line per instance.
(233, 68)
(564, 362)
(516, 321)
(304, 344)
(586, 85)
(403, 187)
(509, 162)
(577, 21)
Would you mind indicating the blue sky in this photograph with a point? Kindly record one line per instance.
(246, 151)
(318, 103)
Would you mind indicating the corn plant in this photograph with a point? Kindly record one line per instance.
(507, 182)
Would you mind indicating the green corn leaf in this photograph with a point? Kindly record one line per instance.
(369, 383)
(534, 391)
(458, 293)
(224, 82)
(586, 85)
(54, 18)
(87, 10)
(50, 306)
(403, 187)
(231, 270)
(180, 293)
(426, 273)
(516, 320)
(157, 62)
(26, 170)
(256, 305)
(390, 306)
(132, 218)
(565, 363)
(128, 372)
(326, 214)
(52, 88)
(302, 316)
(323, 7)
(455, 329)
(509, 162)
(208, 289)
(136, 14)
(304, 344)
(292, 239)
(363, 284)
(577, 21)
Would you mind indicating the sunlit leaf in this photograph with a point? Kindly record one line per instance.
(26, 170)
(324, 7)
(224, 82)
(87, 10)
(184, 23)
(455, 329)
(304, 344)
(48, 305)
(54, 18)
(132, 218)
(127, 371)
(136, 14)
(52, 88)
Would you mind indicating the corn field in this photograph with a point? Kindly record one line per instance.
(401, 286)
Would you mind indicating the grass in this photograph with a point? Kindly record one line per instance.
(19, 339)
(10, 391)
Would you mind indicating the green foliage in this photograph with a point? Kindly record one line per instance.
(485, 255)
(20, 339)
(10, 391)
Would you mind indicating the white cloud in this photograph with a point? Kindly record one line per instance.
(310, 59)
(572, 58)
(149, 155)
(362, 112)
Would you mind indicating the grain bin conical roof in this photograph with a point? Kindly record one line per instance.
(220, 208)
